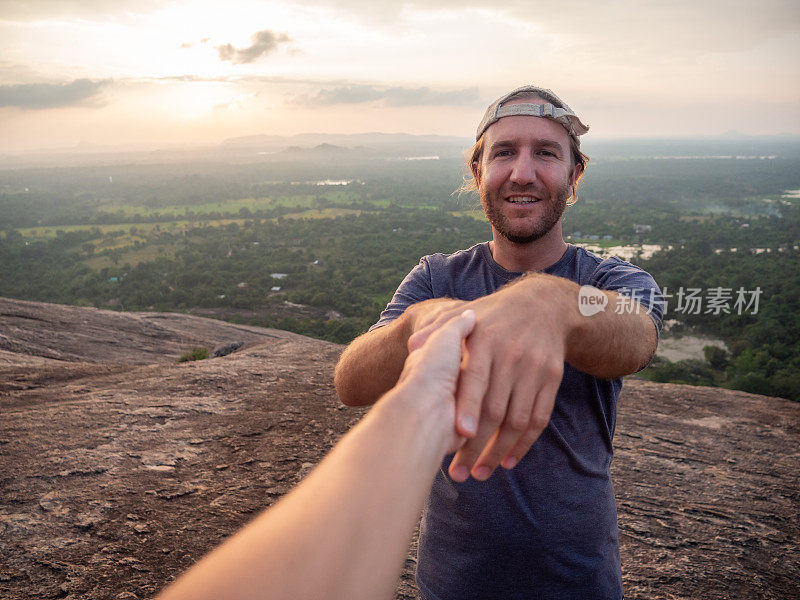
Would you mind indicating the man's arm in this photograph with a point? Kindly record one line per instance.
(344, 531)
(372, 363)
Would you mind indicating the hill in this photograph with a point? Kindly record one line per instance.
(121, 467)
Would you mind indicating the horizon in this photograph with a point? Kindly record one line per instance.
(150, 74)
(357, 147)
(730, 136)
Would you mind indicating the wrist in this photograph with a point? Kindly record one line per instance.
(558, 299)
(429, 418)
(407, 320)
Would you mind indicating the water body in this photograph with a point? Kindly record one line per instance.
(625, 252)
(686, 347)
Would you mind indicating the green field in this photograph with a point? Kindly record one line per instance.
(131, 255)
(322, 213)
(51, 231)
(228, 206)
(232, 206)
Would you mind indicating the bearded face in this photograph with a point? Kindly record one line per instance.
(524, 214)
(525, 176)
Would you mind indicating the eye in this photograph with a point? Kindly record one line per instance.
(501, 153)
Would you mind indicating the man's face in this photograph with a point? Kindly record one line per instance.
(525, 176)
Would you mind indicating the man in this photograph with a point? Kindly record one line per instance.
(538, 366)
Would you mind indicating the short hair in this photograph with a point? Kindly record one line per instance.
(578, 158)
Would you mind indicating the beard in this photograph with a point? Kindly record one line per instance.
(554, 202)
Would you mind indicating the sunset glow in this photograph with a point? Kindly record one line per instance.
(150, 73)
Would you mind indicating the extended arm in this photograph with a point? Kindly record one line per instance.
(343, 532)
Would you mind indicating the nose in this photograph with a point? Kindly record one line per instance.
(523, 170)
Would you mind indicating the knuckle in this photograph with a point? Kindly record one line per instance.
(494, 412)
(539, 422)
(554, 370)
(517, 422)
(536, 359)
(514, 352)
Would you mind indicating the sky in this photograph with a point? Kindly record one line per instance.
(148, 73)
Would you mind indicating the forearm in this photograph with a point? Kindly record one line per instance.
(372, 363)
(608, 344)
(344, 531)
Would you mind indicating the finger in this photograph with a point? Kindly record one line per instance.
(473, 382)
(514, 426)
(448, 334)
(418, 338)
(440, 356)
(462, 462)
(492, 413)
(540, 417)
(460, 466)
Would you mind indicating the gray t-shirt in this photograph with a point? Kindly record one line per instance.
(548, 527)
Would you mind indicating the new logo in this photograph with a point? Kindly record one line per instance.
(591, 300)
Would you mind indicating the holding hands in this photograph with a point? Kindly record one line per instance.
(510, 372)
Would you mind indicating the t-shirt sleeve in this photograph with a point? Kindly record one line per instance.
(416, 287)
(624, 278)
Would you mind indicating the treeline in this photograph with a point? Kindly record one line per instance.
(762, 340)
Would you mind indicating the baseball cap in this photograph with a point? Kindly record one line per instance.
(554, 109)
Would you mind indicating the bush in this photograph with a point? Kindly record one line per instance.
(691, 372)
(195, 354)
(716, 357)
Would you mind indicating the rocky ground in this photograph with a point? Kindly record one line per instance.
(119, 467)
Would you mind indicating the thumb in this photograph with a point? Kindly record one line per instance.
(451, 332)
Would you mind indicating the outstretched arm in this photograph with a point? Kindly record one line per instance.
(343, 532)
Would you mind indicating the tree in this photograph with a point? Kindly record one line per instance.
(716, 357)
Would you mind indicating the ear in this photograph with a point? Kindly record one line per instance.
(476, 172)
(577, 171)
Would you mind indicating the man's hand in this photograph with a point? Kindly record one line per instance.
(511, 372)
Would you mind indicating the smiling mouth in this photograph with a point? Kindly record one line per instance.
(522, 200)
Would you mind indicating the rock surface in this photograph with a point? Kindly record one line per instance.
(119, 468)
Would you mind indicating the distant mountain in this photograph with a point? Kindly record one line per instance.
(356, 145)
(373, 139)
(319, 149)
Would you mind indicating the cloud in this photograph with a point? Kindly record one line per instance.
(679, 26)
(81, 92)
(17, 73)
(392, 96)
(264, 42)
